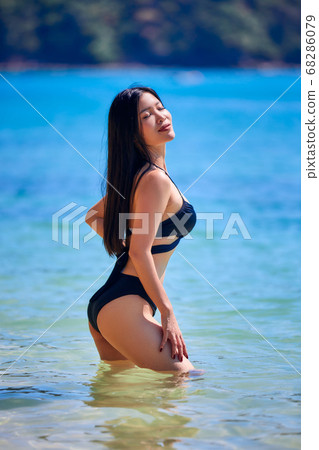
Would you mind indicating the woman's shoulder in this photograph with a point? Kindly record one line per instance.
(150, 174)
(150, 177)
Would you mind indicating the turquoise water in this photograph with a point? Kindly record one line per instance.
(58, 394)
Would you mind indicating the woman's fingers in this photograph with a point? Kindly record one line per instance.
(173, 346)
(164, 340)
(184, 349)
(177, 348)
(180, 348)
(172, 333)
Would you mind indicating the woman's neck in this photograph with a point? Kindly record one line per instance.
(158, 156)
(160, 162)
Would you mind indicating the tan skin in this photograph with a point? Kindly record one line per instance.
(157, 196)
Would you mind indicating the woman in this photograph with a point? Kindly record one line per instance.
(121, 312)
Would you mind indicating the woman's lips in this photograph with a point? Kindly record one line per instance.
(165, 128)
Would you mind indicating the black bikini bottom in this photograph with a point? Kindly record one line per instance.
(117, 285)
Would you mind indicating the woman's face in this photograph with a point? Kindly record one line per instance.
(152, 117)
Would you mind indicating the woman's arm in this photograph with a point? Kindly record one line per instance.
(151, 199)
(95, 215)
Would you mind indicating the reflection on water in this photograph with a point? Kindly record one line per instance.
(151, 406)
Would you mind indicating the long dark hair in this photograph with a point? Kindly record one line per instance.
(127, 154)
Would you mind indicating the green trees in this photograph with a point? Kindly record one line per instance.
(168, 32)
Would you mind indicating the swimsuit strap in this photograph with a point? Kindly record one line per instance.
(169, 178)
(163, 248)
(139, 178)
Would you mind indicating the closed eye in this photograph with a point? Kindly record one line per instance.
(159, 109)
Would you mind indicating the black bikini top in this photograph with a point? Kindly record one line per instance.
(179, 224)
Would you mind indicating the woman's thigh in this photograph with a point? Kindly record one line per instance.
(128, 325)
(106, 351)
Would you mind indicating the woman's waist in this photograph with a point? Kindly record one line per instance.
(160, 262)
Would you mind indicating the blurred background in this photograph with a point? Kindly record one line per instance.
(209, 33)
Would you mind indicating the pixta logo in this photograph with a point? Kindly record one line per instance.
(70, 225)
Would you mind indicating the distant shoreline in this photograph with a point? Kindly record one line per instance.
(19, 66)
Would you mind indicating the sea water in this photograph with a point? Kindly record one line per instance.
(234, 282)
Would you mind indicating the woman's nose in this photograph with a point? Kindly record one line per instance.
(160, 116)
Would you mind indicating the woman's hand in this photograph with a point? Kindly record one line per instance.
(172, 332)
